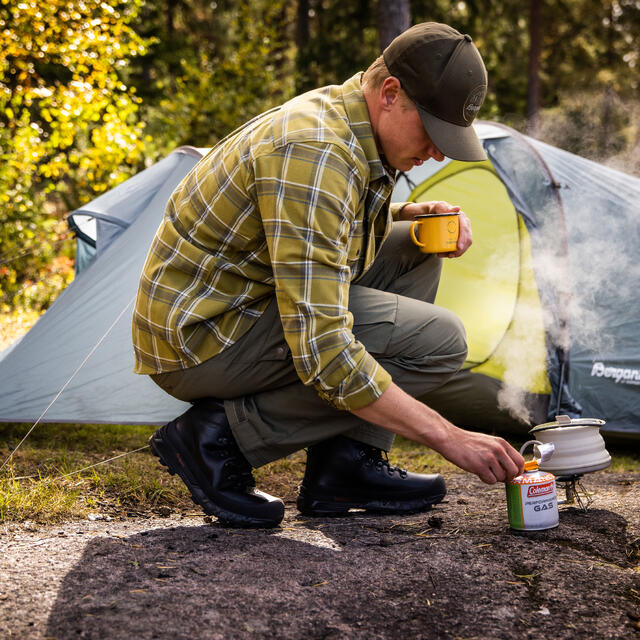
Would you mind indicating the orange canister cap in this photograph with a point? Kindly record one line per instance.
(531, 465)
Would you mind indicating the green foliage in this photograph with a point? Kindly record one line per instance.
(68, 125)
(342, 40)
(587, 45)
(576, 123)
(229, 61)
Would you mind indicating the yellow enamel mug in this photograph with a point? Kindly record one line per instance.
(436, 233)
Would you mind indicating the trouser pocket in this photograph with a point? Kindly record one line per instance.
(374, 316)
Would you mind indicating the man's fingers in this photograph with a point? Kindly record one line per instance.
(491, 458)
(517, 459)
(443, 207)
(508, 469)
(501, 463)
(488, 476)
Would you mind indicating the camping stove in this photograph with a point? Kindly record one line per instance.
(579, 449)
(575, 492)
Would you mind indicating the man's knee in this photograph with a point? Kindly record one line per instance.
(454, 342)
(430, 336)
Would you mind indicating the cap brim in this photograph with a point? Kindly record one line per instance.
(454, 141)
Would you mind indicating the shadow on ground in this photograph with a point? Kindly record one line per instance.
(456, 572)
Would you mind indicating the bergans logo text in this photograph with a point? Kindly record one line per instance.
(618, 374)
(540, 490)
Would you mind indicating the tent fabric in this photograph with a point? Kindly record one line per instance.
(85, 253)
(602, 217)
(105, 218)
(105, 388)
(550, 284)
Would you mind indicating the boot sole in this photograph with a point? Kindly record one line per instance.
(172, 460)
(315, 508)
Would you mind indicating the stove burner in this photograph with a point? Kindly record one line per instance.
(575, 491)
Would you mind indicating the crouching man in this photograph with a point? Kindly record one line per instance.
(283, 297)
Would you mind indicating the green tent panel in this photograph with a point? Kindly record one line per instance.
(492, 287)
(482, 286)
(524, 340)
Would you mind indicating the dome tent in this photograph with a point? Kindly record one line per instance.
(541, 293)
(547, 290)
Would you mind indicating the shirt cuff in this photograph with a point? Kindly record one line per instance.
(396, 208)
(365, 384)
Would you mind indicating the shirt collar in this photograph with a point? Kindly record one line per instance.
(358, 114)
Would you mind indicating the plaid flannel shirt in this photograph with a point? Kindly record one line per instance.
(296, 203)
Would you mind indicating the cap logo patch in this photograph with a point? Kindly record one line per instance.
(473, 103)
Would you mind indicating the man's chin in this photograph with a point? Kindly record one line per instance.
(405, 166)
(401, 165)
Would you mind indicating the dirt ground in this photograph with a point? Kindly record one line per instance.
(455, 572)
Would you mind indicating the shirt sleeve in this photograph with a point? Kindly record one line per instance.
(395, 208)
(308, 196)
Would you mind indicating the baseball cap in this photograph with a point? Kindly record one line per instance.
(441, 70)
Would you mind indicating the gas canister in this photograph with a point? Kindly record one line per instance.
(531, 500)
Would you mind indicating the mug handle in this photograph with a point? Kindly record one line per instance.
(412, 233)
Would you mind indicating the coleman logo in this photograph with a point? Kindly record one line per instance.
(618, 374)
(540, 490)
(473, 103)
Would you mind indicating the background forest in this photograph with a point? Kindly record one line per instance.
(92, 92)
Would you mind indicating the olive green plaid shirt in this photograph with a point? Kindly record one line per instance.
(294, 202)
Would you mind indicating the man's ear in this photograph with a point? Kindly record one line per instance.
(389, 92)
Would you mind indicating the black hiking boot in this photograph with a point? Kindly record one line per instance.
(201, 449)
(345, 474)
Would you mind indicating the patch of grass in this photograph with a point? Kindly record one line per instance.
(37, 499)
(624, 458)
(31, 487)
(95, 438)
(414, 457)
(282, 477)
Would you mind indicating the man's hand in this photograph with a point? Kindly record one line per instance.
(491, 459)
(465, 238)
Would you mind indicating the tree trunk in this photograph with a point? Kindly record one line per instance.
(605, 133)
(394, 17)
(302, 24)
(535, 51)
(170, 27)
(303, 36)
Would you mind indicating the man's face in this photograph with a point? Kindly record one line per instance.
(401, 136)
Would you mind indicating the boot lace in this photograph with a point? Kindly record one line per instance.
(237, 470)
(238, 475)
(379, 458)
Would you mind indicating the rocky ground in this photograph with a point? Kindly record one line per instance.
(455, 572)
